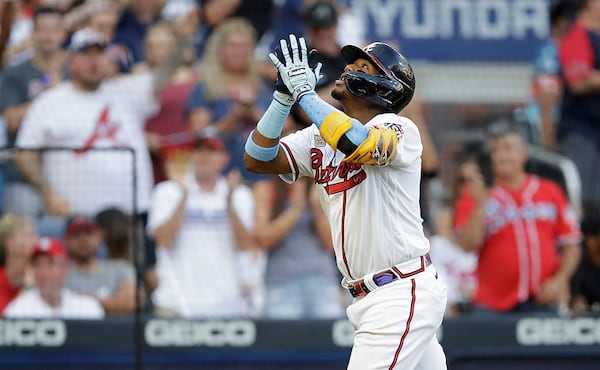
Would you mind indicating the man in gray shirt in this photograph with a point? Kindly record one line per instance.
(20, 85)
(112, 282)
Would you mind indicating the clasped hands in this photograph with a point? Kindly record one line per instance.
(295, 76)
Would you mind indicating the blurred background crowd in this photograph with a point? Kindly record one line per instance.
(122, 186)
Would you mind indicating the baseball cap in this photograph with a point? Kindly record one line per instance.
(80, 223)
(86, 38)
(320, 15)
(50, 246)
(211, 141)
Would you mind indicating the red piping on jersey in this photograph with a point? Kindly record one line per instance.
(343, 233)
(287, 148)
(404, 276)
(346, 184)
(410, 316)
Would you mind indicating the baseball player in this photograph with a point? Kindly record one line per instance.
(366, 164)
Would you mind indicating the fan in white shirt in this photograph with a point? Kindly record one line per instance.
(49, 298)
(89, 112)
(201, 222)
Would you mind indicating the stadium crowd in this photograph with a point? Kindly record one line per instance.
(176, 226)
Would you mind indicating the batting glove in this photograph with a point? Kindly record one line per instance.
(294, 70)
(282, 94)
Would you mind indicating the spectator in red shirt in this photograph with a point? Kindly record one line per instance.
(17, 239)
(524, 229)
(579, 128)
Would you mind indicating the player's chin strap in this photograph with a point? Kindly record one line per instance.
(359, 143)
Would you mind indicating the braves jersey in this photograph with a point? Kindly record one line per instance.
(373, 211)
(522, 231)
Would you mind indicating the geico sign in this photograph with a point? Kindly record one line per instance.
(556, 331)
(184, 333)
(28, 333)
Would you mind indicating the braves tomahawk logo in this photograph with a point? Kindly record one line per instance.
(338, 178)
(104, 130)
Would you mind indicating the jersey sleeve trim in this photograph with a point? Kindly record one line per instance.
(293, 164)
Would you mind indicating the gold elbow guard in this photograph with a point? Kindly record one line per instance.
(333, 127)
(379, 148)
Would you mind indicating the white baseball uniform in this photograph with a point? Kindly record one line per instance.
(376, 224)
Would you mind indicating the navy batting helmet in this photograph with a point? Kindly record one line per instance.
(393, 89)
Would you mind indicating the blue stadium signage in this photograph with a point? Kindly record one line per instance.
(458, 30)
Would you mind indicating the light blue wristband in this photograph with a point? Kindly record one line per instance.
(271, 123)
(258, 152)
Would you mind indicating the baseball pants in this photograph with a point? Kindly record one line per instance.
(396, 325)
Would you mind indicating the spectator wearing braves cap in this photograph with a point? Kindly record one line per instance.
(88, 112)
(112, 282)
(49, 297)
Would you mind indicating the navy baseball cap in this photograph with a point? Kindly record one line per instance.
(86, 38)
(322, 14)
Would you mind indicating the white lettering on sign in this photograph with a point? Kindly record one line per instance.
(556, 331)
(185, 333)
(29, 333)
(468, 19)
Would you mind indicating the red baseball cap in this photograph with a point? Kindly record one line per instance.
(80, 223)
(210, 141)
(51, 247)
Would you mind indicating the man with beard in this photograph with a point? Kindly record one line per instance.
(112, 282)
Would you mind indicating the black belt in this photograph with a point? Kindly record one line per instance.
(360, 289)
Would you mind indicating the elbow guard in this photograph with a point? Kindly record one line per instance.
(379, 148)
